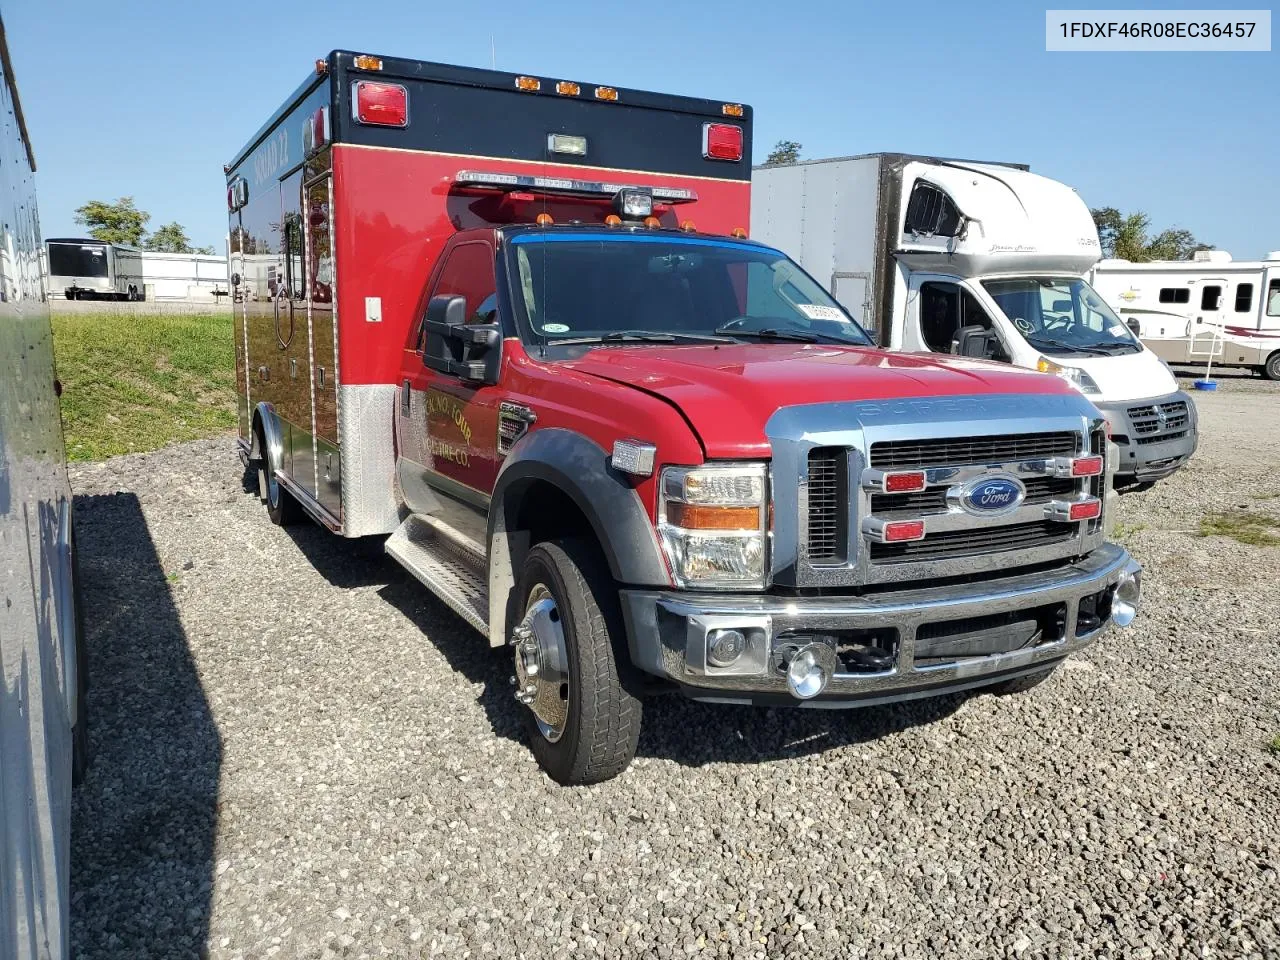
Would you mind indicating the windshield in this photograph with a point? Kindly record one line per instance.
(77, 260)
(1059, 315)
(592, 288)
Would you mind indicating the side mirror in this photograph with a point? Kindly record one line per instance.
(235, 279)
(472, 352)
(975, 341)
(1134, 326)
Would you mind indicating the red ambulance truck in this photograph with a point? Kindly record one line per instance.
(514, 325)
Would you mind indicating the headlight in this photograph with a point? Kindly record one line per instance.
(1073, 375)
(714, 525)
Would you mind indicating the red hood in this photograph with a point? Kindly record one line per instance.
(729, 392)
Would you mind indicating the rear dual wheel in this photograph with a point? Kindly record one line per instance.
(570, 660)
(282, 508)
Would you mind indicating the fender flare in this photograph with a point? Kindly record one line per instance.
(580, 469)
(267, 424)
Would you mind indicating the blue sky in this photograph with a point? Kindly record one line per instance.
(151, 98)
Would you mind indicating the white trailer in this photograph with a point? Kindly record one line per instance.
(983, 260)
(85, 269)
(1208, 308)
(88, 269)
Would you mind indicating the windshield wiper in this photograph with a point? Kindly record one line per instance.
(642, 336)
(1069, 347)
(795, 336)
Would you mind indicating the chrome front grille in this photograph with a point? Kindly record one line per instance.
(828, 504)
(974, 542)
(961, 451)
(934, 499)
(832, 512)
(1158, 422)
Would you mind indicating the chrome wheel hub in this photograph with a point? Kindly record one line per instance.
(542, 672)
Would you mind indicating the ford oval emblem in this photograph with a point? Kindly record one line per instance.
(991, 495)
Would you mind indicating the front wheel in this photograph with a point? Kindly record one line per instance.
(1272, 370)
(583, 723)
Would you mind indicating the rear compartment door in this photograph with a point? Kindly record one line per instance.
(293, 337)
(317, 211)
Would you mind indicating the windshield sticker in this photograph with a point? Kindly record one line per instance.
(816, 311)
(555, 328)
(1116, 330)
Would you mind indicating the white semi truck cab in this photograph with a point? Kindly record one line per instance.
(981, 260)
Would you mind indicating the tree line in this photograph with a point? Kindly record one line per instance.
(123, 223)
(1125, 236)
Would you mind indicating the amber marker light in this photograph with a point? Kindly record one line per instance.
(695, 517)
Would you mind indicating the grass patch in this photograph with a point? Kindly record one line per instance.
(1274, 745)
(132, 383)
(1255, 529)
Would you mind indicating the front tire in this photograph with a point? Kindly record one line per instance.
(1272, 370)
(570, 649)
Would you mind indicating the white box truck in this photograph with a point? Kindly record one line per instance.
(983, 260)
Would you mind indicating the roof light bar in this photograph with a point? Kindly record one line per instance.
(606, 93)
(567, 88)
(484, 179)
(528, 84)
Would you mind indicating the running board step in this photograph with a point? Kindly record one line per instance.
(444, 569)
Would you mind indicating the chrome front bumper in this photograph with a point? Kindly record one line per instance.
(668, 632)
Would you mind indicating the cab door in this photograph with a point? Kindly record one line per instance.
(447, 427)
(937, 309)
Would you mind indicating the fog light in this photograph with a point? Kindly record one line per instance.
(809, 671)
(725, 646)
(1127, 598)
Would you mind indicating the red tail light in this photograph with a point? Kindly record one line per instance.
(380, 104)
(911, 481)
(722, 141)
(900, 531)
(1086, 466)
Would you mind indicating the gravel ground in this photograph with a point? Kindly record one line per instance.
(301, 753)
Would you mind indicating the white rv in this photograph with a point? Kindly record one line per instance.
(1208, 308)
(983, 260)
